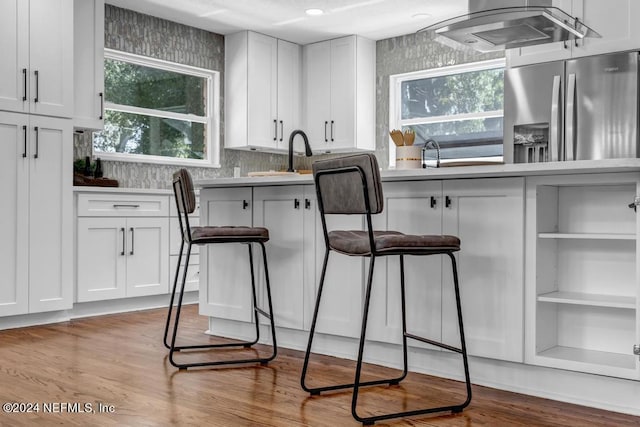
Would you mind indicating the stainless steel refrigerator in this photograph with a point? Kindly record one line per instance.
(579, 109)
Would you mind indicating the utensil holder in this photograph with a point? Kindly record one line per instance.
(408, 157)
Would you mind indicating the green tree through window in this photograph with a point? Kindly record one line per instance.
(460, 107)
(155, 109)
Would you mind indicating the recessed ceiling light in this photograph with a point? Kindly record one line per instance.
(314, 12)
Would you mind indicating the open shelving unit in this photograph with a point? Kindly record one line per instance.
(582, 279)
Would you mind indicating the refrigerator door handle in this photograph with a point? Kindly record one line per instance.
(554, 138)
(570, 139)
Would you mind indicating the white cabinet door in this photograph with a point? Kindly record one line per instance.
(14, 184)
(50, 214)
(14, 45)
(339, 81)
(36, 40)
(225, 278)
(317, 99)
(343, 93)
(51, 57)
(288, 91)
(280, 210)
(488, 217)
(341, 308)
(263, 86)
(101, 262)
(411, 208)
(262, 90)
(88, 58)
(615, 20)
(147, 256)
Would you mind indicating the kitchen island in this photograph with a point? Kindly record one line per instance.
(548, 274)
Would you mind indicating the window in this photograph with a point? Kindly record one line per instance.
(158, 112)
(461, 107)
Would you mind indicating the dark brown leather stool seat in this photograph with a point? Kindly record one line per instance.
(351, 185)
(207, 235)
(226, 234)
(356, 243)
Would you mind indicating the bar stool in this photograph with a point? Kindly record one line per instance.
(351, 185)
(186, 204)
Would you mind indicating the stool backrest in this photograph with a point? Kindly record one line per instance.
(185, 201)
(183, 190)
(349, 185)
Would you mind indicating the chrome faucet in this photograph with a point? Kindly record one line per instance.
(307, 148)
(424, 149)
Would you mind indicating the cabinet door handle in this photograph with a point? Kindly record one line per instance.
(24, 152)
(433, 202)
(123, 241)
(126, 206)
(281, 130)
(132, 241)
(24, 83)
(296, 203)
(307, 204)
(325, 131)
(35, 156)
(101, 116)
(275, 130)
(37, 86)
(245, 204)
(331, 130)
(447, 201)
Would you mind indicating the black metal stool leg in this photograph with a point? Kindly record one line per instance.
(254, 300)
(463, 345)
(318, 390)
(173, 348)
(462, 350)
(404, 322)
(271, 315)
(173, 294)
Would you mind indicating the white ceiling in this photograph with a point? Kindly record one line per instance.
(286, 19)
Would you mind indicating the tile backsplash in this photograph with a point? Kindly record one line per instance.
(146, 35)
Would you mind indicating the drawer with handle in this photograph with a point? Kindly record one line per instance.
(122, 205)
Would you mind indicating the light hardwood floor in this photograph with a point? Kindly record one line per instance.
(119, 360)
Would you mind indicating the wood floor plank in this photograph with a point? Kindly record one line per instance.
(119, 360)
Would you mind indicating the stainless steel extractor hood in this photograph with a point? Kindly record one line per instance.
(493, 25)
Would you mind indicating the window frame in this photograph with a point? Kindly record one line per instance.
(395, 101)
(211, 120)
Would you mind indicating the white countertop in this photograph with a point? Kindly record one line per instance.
(121, 190)
(454, 172)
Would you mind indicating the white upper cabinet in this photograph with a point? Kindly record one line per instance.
(36, 228)
(262, 89)
(339, 97)
(614, 20)
(88, 58)
(36, 73)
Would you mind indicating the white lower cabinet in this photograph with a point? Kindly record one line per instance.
(123, 253)
(296, 253)
(225, 277)
(36, 226)
(582, 276)
(487, 216)
(281, 210)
